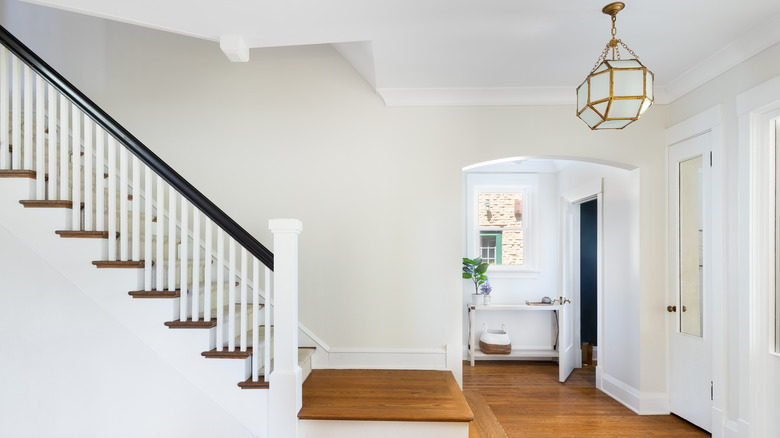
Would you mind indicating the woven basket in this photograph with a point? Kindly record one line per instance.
(495, 348)
(495, 341)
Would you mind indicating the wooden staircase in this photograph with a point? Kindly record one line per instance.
(305, 353)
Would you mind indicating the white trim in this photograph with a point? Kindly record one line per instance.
(494, 96)
(759, 99)
(698, 124)
(654, 403)
(387, 358)
(759, 38)
(756, 108)
(627, 395)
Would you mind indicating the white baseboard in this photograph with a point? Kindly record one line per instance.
(620, 391)
(654, 403)
(389, 359)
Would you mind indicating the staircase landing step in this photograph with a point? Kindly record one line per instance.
(190, 324)
(155, 293)
(384, 395)
(129, 264)
(485, 424)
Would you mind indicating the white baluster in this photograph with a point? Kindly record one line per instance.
(172, 194)
(88, 174)
(16, 113)
(52, 142)
(75, 159)
(244, 285)
(196, 264)
(111, 211)
(148, 193)
(183, 258)
(27, 155)
(207, 272)
(160, 234)
(255, 319)
(40, 138)
(268, 321)
(232, 295)
(64, 149)
(124, 227)
(220, 288)
(136, 209)
(100, 180)
(4, 109)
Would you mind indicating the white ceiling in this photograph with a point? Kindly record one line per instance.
(468, 52)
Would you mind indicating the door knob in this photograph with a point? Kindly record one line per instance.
(566, 300)
(671, 309)
(685, 309)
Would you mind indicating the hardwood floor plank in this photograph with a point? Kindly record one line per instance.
(528, 401)
(383, 395)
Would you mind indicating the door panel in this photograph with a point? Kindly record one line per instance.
(690, 392)
(567, 351)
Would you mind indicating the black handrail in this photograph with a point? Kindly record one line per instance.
(137, 148)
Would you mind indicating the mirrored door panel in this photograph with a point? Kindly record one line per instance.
(691, 254)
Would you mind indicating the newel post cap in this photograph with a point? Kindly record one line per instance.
(285, 226)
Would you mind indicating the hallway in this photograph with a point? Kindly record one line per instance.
(529, 402)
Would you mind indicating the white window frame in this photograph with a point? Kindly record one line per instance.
(528, 185)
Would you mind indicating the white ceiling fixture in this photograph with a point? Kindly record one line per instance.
(617, 91)
(471, 52)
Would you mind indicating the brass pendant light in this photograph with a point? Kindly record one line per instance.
(617, 91)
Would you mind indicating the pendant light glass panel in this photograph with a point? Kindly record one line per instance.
(615, 94)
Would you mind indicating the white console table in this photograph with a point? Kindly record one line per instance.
(474, 352)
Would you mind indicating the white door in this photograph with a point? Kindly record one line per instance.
(567, 351)
(690, 385)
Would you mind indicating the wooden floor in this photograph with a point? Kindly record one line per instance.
(383, 395)
(528, 401)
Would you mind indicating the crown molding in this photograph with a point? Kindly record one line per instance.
(760, 37)
(510, 96)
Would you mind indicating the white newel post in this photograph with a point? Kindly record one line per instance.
(285, 395)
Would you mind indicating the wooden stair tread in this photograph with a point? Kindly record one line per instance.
(190, 324)
(384, 395)
(83, 234)
(485, 424)
(155, 293)
(129, 264)
(46, 204)
(225, 354)
(249, 384)
(17, 173)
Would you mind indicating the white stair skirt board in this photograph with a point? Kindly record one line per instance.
(108, 288)
(381, 429)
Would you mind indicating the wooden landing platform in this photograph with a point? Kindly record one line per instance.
(384, 395)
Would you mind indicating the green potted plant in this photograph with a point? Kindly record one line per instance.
(474, 270)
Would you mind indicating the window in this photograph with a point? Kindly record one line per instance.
(501, 228)
(490, 247)
(500, 222)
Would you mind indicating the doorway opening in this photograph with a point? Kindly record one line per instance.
(554, 193)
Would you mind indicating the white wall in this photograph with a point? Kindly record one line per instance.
(296, 132)
(69, 369)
